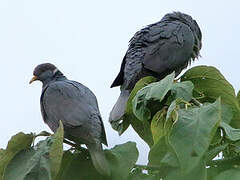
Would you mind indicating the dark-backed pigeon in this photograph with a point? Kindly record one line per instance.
(157, 50)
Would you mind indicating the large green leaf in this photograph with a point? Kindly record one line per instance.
(56, 151)
(212, 172)
(122, 159)
(154, 91)
(157, 152)
(198, 173)
(192, 133)
(231, 174)
(17, 143)
(162, 123)
(41, 162)
(66, 162)
(67, 159)
(209, 84)
(231, 133)
(161, 153)
(31, 163)
(78, 166)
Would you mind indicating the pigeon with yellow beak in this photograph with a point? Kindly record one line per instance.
(76, 106)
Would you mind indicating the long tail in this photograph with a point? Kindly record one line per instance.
(98, 159)
(119, 108)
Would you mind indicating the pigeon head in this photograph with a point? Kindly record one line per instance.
(45, 73)
(189, 21)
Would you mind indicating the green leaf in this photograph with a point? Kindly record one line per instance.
(122, 159)
(160, 153)
(78, 166)
(231, 133)
(143, 129)
(41, 162)
(210, 84)
(154, 91)
(31, 163)
(227, 113)
(56, 151)
(182, 90)
(157, 125)
(17, 143)
(157, 152)
(24, 167)
(198, 173)
(212, 172)
(231, 174)
(174, 106)
(192, 133)
(66, 162)
(170, 159)
(159, 89)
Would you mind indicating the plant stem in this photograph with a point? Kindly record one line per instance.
(196, 102)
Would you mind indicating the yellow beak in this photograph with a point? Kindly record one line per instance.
(34, 78)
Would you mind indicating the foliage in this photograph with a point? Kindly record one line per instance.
(191, 121)
(191, 126)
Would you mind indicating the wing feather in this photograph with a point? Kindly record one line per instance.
(76, 106)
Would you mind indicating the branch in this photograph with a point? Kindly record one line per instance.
(77, 146)
(196, 102)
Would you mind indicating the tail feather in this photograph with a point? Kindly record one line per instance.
(98, 159)
(118, 109)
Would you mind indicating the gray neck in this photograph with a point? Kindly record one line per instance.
(57, 77)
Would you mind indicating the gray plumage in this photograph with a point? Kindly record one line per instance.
(76, 106)
(157, 50)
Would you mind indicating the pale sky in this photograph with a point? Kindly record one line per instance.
(87, 40)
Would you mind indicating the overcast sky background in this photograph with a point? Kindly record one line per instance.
(87, 40)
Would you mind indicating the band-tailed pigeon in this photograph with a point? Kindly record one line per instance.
(76, 106)
(157, 50)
